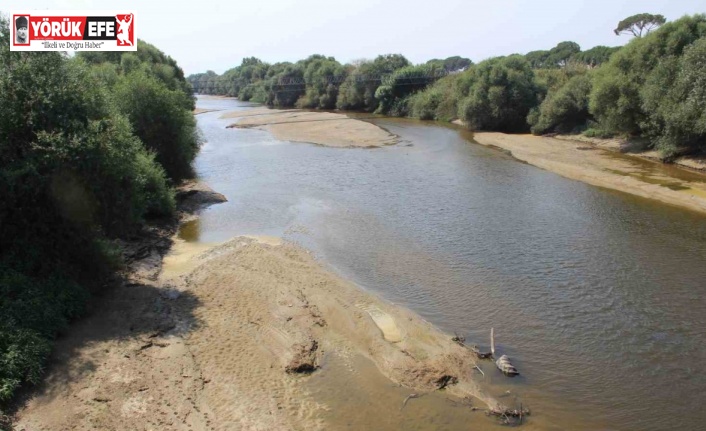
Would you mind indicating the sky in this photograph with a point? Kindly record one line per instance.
(216, 35)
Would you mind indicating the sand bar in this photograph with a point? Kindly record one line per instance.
(229, 344)
(322, 128)
(600, 168)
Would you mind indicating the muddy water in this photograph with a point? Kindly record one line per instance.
(599, 297)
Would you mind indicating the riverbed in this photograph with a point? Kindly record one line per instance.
(596, 295)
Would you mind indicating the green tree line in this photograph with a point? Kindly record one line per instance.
(653, 87)
(92, 147)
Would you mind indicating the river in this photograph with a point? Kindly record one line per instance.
(598, 297)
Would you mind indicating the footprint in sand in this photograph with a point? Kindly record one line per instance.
(390, 331)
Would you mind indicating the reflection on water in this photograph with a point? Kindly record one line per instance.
(597, 296)
(190, 231)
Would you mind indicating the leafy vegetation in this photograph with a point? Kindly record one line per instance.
(149, 88)
(564, 110)
(640, 24)
(79, 168)
(650, 88)
(500, 95)
(627, 91)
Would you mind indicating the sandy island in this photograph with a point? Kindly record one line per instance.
(322, 128)
(599, 167)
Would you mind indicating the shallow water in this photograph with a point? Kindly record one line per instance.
(598, 296)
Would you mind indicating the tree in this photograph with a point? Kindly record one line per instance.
(358, 90)
(452, 64)
(640, 24)
(595, 56)
(564, 109)
(72, 174)
(395, 88)
(159, 119)
(674, 98)
(500, 94)
(560, 54)
(618, 95)
(322, 76)
(537, 59)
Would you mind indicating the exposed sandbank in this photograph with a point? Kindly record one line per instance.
(638, 149)
(322, 128)
(600, 168)
(220, 346)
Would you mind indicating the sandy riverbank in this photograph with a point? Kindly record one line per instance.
(322, 128)
(638, 149)
(227, 344)
(601, 168)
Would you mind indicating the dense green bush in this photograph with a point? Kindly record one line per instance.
(159, 118)
(357, 93)
(322, 76)
(396, 87)
(73, 175)
(617, 99)
(451, 64)
(149, 88)
(595, 56)
(149, 58)
(674, 100)
(565, 109)
(500, 95)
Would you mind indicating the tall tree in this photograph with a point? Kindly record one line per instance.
(560, 54)
(640, 24)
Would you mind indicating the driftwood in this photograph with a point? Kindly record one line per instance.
(511, 413)
(461, 340)
(509, 416)
(481, 355)
(410, 396)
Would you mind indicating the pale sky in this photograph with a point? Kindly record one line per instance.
(216, 35)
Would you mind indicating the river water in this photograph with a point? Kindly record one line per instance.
(598, 296)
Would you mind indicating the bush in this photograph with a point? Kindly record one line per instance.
(674, 99)
(357, 93)
(500, 95)
(72, 176)
(593, 132)
(565, 109)
(160, 120)
(619, 90)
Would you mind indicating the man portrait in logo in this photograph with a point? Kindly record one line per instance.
(21, 30)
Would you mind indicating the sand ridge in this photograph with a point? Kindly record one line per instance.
(322, 128)
(229, 343)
